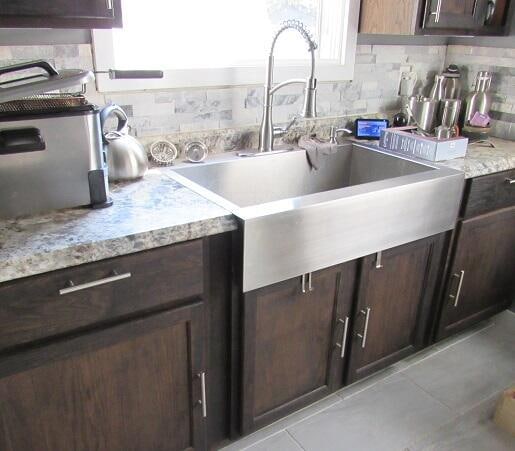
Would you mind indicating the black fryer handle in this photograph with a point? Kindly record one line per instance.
(20, 140)
(42, 64)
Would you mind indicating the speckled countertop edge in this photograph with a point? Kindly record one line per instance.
(146, 214)
(482, 159)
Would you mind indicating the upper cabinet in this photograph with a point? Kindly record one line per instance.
(60, 14)
(440, 17)
(450, 14)
(388, 16)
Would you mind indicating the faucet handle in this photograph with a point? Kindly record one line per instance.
(281, 131)
(334, 131)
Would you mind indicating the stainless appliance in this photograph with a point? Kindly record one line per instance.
(447, 85)
(479, 100)
(126, 157)
(423, 112)
(51, 153)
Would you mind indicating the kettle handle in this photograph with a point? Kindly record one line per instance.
(109, 110)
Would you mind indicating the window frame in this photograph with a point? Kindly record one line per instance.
(342, 69)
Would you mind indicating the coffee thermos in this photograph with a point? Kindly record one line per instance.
(479, 100)
(447, 85)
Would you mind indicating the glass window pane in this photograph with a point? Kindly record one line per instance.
(222, 33)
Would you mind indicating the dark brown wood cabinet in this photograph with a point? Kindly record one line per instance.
(292, 343)
(481, 278)
(134, 386)
(469, 17)
(439, 17)
(60, 13)
(397, 17)
(395, 299)
(450, 14)
(128, 353)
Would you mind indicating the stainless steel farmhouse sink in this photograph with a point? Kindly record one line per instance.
(296, 219)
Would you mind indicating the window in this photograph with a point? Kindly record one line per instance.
(225, 42)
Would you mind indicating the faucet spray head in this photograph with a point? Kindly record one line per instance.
(309, 109)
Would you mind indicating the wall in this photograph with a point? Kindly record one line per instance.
(157, 113)
(373, 90)
(501, 62)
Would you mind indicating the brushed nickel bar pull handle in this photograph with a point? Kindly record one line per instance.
(379, 260)
(203, 400)
(510, 181)
(343, 344)
(474, 9)
(458, 291)
(310, 282)
(109, 5)
(437, 12)
(83, 286)
(303, 283)
(363, 337)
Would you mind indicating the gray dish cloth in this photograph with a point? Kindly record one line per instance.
(316, 149)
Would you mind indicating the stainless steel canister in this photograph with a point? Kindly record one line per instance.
(449, 112)
(423, 112)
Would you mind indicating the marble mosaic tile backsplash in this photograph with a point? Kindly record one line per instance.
(499, 61)
(157, 113)
(180, 115)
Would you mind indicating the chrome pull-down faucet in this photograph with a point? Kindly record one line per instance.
(267, 132)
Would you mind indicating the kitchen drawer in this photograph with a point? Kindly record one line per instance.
(47, 305)
(488, 193)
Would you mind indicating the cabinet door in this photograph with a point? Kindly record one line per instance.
(395, 297)
(60, 13)
(451, 14)
(481, 280)
(293, 343)
(388, 16)
(130, 387)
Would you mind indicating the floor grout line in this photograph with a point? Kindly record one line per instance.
(459, 416)
(431, 396)
(284, 429)
(257, 442)
(295, 440)
(471, 334)
(456, 414)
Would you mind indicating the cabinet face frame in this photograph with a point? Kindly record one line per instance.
(192, 316)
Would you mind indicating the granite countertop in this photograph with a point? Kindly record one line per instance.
(148, 213)
(482, 159)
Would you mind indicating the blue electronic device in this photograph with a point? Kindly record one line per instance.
(370, 128)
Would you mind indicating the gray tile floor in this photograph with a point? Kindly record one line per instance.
(442, 398)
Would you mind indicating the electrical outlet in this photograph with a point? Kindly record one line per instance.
(407, 83)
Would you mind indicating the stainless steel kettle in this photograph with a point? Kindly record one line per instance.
(126, 157)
